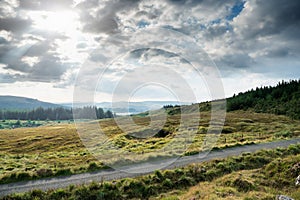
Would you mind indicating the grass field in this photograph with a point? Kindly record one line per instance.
(275, 178)
(260, 175)
(9, 124)
(56, 149)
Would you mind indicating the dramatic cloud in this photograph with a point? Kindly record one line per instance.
(45, 4)
(50, 41)
(14, 24)
(104, 19)
(262, 19)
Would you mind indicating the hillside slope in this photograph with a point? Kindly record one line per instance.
(283, 99)
(23, 103)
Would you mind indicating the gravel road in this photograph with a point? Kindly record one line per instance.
(61, 182)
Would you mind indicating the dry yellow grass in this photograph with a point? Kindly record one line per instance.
(59, 146)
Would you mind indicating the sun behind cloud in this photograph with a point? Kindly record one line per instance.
(67, 24)
(59, 21)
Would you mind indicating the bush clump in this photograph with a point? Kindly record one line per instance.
(242, 185)
(44, 172)
(275, 165)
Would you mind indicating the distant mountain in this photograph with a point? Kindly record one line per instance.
(123, 107)
(23, 103)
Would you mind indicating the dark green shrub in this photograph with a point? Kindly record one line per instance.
(242, 185)
(37, 194)
(162, 133)
(58, 194)
(13, 175)
(170, 174)
(178, 172)
(94, 186)
(93, 166)
(167, 183)
(227, 129)
(159, 175)
(63, 172)
(44, 172)
(212, 173)
(137, 189)
(283, 134)
(190, 153)
(23, 176)
(82, 193)
(293, 149)
(185, 181)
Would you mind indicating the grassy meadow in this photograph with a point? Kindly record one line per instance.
(250, 176)
(56, 149)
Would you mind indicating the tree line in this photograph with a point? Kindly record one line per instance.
(283, 99)
(88, 112)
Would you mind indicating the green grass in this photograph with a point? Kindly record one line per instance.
(41, 152)
(11, 124)
(260, 175)
(50, 149)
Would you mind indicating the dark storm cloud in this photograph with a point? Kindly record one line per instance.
(48, 69)
(105, 19)
(152, 54)
(237, 60)
(18, 67)
(271, 18)
(10, 20)
(27, 41)
(269, 32)
(148, 53)
(11, 55)
(40, 48)
(278, 53)
(3, 41)
(15, 25)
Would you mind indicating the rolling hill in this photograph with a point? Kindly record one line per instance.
(23, 103)
(282, 99)
(122, 107)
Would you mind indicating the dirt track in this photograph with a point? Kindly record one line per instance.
(60, 182)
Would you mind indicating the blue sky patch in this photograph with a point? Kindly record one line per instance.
(216, 21)
(236, 10)
(143, 24)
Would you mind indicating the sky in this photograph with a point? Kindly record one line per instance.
(193, 50)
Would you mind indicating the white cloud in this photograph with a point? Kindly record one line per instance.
(250, 42)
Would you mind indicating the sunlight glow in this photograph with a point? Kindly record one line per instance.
(65, 23)
(60, 21)
(30, 60)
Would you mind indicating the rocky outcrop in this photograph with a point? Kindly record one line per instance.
(283, 197)
(297, 183)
